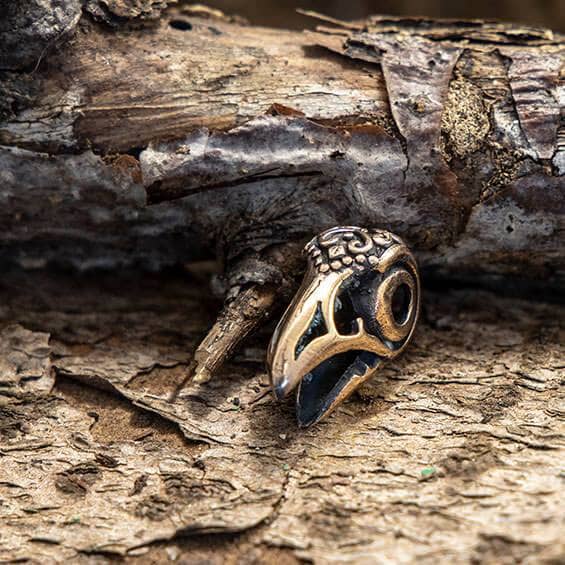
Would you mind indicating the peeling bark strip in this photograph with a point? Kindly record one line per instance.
(417, 79)
(534, 82)
(444, 132)
(453, 454)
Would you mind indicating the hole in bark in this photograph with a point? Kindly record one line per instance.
(135, 151)
(181, 25)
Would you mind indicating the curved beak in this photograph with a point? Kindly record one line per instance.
(305, 323)
(308, 352)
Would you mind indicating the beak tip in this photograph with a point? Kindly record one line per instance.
(281, 390)
(282, 385)
(303, 425)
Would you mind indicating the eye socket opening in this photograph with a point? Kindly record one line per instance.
(400, 303)
(345, 319)
(316, 329)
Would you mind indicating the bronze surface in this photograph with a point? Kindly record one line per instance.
(357, 307)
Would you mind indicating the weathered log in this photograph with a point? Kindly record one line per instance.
(447, 133)
(444, 132)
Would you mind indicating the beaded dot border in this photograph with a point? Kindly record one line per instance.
(351, 247)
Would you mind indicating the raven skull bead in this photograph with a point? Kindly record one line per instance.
(357, 307)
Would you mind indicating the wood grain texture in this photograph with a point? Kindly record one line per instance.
(444, 132)
(451, 454)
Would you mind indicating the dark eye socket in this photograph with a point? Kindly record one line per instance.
(345, 317)
(400, 303)
(316, 329)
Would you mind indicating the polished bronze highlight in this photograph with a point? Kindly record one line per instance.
(357, 307)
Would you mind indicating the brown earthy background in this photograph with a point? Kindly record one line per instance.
(548, 13)
(245, 141)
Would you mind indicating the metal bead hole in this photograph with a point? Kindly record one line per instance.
(400, 303)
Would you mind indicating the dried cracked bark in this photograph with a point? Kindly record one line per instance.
(136, 133)
(452, 453)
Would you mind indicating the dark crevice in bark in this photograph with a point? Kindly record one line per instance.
(172, 189)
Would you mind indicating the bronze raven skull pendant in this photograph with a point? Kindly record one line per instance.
(357, 307)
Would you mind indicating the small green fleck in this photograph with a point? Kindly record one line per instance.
(427, 472)
(286, 467)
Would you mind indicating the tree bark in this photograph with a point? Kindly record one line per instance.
(447, 133)
(136, 134)
(452, 454)
(139, 134)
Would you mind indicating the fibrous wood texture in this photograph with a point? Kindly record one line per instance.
(137, 133)
(453, 454)
(446, 133)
